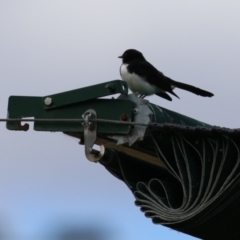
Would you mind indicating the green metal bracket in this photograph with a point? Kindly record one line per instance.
(72, 105)
(75, 104)
(85, 94)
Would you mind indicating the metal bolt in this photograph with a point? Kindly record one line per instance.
(135, 111)
(124, 117)
(111, 87)
(48, 101)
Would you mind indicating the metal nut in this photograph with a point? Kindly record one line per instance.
(135, 111)
(48, 101)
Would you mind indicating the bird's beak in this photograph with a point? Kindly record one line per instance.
(120, 57)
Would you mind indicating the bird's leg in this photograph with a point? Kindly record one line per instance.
(139, 95)
(143, 96)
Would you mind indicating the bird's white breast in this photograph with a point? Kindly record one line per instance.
(136, 83)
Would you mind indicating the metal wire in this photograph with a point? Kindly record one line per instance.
(153, 126)
(72, 120)
(40, 120)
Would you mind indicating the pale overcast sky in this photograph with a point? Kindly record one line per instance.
(53, 46)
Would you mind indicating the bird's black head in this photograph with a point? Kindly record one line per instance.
(130, 55)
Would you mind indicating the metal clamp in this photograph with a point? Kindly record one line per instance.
(90, 136)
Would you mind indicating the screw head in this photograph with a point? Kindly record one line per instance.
(135, 111)
(48, 101)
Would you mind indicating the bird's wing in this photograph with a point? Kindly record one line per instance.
(151, 74)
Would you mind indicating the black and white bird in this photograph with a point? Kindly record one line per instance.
(144, 79)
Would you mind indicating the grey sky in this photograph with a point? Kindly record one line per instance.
(53, 46)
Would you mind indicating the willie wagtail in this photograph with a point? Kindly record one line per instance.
(144, 79)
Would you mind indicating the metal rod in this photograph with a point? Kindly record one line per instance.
(70, 120)
(152, 125)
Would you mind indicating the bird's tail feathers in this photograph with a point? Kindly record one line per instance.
(190, 88)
